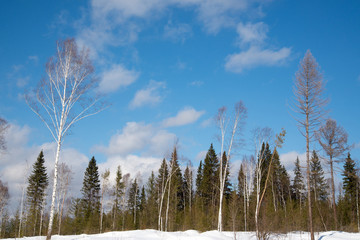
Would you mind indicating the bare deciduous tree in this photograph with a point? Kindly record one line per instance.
(333, 139)
(64, 97)
(309, 104)
(228, 138)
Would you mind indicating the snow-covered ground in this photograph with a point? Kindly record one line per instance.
(195, 235)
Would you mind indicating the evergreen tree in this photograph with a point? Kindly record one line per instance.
(280, 181)
(119, 191)
(350, 179)
(298, 186)
(188, 187)
(199, 175)
(91, 196)
(228, 186)
(350, 201)
(38, 182)
(161, 184)
(176, 192)
(317, 179)
(210, 178)
(151, 207)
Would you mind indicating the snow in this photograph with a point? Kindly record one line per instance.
(195, 235)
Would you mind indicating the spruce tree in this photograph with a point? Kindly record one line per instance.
(91, 196)
(298, 186)
(351, 189)
(281, 180)
(350, 179)
(317, 179)
(38, 182)
(210, 178)
(176, 191)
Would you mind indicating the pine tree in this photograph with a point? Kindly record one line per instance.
(91, 196)
(38, 182)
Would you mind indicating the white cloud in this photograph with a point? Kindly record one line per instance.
(116, 77)
(150, 95)
(118, 22)
(207, 122)
(252, 33)
(186, 116)
(177, 33)
(136, 137)
(255, 57)
(253, 36)
(288, 160)
(132, 164)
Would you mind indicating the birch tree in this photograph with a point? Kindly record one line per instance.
(64, 97)
(230, 130)
(309, 106)
(333, 140)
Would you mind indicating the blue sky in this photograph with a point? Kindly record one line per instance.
(166, 67)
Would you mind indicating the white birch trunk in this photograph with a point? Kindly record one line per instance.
(52, 208)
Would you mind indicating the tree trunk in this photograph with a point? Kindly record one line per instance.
(308, 178)
(52, 208)
(333, 191)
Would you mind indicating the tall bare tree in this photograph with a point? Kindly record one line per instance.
(333, 139)
(309, 105)
(64, 97)
(228, 138)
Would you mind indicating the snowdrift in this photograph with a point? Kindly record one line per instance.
(195, 235)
